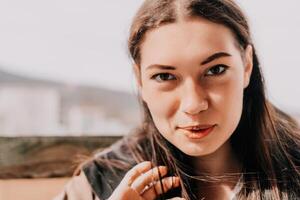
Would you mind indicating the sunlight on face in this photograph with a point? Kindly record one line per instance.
(192, 73)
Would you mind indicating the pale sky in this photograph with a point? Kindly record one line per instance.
(84, 41)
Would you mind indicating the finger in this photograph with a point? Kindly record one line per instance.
(136, 171)
(167, 183)
(147, 178)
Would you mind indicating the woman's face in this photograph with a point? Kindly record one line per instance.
(192, 76)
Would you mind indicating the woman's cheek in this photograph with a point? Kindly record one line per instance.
(233, 101)
(226, 98)
(157, 99)
(164, 104)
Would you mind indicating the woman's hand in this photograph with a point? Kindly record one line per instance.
(142, 183)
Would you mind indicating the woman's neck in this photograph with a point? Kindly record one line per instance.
(223, 161)
(222, 164)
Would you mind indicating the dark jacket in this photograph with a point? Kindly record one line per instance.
(102, 178)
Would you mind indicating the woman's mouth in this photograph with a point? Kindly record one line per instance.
(197, 132)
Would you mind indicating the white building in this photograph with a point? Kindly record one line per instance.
(89, 119)
(45, 108)
(28, 110)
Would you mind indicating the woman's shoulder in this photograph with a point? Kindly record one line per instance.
(105, 170)
(77, 188)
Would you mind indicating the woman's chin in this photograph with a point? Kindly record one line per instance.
(195, 152)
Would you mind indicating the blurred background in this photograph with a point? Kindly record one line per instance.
(67, 87)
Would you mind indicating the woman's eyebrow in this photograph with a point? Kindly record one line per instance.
(165, 67)
(214, 57)
(207, 60)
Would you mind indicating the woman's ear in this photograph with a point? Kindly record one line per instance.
(248, 65)
(138, 78)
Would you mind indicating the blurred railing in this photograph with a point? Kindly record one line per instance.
(43, 157)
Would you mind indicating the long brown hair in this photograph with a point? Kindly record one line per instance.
(266, 141)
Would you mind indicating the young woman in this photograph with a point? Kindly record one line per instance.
(209, 132)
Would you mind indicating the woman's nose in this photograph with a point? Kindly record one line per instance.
(193, 100)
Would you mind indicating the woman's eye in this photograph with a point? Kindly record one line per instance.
(216, 70)
(163, 77)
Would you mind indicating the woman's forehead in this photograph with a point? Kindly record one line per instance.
(186, 39)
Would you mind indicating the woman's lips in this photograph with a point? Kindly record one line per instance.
(197, 132)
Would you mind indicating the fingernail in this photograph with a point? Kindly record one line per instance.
(175, 180)
(163, 167)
